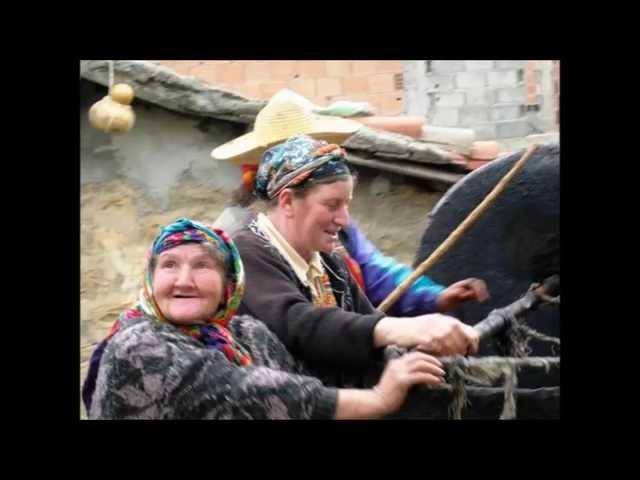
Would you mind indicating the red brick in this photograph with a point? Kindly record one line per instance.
(270, 88)
(231, 74)
(338, 68)
(167, 63)
(188, 65)
(251, 90)
(389, 66)
(304, 86)
(390, 103)
(283, 69)
(256, 71)
(312, 68)
(359, 67)
(329, 87)
(381, 83)
(355, 85)
(181, 67)
(205, 71)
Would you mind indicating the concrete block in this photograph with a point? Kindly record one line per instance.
(509, 64)
(512, 128)
(454, 99)
(507, 78)
(547, 122)
(444, 117)
(511, 111)
(472, 115)
(485, 131)
(440, 82)
(466, 80)
(538, 123)
(480, 96)
(462, 138)
(473, 65)
(511, 95)
(447, 66)
(415, 85)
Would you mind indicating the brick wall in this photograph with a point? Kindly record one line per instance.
(378, 82)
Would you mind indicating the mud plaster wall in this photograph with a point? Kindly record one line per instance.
(161, 170)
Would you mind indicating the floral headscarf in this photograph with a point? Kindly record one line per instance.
(299, 159)
(213, 333)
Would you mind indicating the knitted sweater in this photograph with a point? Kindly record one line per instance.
(150, 370)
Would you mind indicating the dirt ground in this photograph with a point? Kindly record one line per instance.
(118, 223)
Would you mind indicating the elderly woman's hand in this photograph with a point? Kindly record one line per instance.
(434, 333)
(463, 291)
(400, 374)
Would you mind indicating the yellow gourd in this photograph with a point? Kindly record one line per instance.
(113, 114)
(122, 93)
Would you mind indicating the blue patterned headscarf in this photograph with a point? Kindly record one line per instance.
(299, 159)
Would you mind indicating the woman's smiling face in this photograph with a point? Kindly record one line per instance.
(320, 214)
(187, 283)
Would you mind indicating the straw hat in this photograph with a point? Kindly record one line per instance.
(285, 115)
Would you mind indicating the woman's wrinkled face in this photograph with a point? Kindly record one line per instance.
(187, 284)
(321, 213)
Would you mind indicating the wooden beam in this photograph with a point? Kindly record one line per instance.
(407, 168)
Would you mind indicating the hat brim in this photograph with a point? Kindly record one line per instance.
(247, 150)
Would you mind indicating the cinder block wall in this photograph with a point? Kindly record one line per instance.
(497, 98)
(378, 82)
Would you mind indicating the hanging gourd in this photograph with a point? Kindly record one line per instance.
(113, 114)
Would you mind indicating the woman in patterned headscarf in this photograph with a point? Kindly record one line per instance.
(180, 353)
(302, 289)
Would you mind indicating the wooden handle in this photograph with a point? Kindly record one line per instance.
(457, 233)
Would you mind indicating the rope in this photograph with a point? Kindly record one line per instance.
(458, 392)
(510, 383)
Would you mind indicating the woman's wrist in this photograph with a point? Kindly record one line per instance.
(383, 332)
(360, 404)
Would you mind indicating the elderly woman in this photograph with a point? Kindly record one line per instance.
(303, 290)
(180, 353)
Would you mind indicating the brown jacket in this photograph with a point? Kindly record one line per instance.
(329, 340)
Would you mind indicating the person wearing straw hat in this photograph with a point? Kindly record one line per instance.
(287, 114)
(181, 352)
(301, 288)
